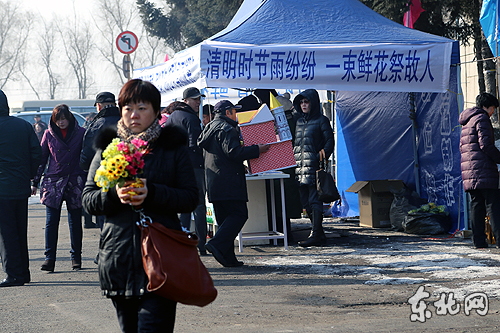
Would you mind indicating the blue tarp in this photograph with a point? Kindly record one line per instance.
(264, 22)
(376, 142)
(489, 23)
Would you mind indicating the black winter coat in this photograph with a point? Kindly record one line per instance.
(20, 154)
(312, 133)
(105, 118)
(479, 156)
(171, 189)
(184, 116)
(224, 156)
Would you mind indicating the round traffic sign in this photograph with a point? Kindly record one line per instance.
(126, 42)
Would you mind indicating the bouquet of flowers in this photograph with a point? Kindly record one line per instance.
(122, 162)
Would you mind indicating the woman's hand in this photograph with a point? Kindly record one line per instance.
(132, 199)
(33, 190)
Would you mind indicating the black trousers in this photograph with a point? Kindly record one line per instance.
(484, 201)
(231, 216)
(14, 238)
(309, 199)
(150, 313)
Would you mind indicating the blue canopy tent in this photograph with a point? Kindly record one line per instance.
(372, 63)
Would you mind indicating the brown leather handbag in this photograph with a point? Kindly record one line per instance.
(173, 266)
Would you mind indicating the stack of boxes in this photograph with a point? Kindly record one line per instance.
(260, 127)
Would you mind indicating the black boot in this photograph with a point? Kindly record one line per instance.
(317, 236)
(48, 265)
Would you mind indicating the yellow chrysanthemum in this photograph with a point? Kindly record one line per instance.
(119, 158)
(111, 149)
(105, 185)
(111, 164)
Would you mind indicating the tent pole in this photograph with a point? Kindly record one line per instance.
(330, 96)
(413, 117)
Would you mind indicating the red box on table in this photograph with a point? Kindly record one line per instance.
(258, 128)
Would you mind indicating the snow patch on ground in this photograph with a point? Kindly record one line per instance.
(472, 269)
(490, 288)
(387, 281)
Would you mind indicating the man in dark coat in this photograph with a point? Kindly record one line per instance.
(226, 183)
(39, 126)
(479, 159)
(108, 115)
(313, 133)
(20, 155)
(186, 116)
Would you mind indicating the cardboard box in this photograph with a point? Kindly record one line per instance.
(375, 199)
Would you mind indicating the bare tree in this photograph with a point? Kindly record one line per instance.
(46, 47)
(77, 41)
(154, 51)
(115, 16)
(15, 27)
(21, 64)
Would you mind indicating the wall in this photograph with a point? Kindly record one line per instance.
(468, 75)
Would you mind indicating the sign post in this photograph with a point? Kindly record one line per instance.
(127, 42)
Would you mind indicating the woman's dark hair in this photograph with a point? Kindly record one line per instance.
(62, 110)
(486, 100)
(171, 107)
(208, 109)
(137, 90)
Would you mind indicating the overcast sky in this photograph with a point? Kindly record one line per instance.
(49, 7)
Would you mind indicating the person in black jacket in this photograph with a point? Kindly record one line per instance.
(108, 114)
(40, 127)
(169, 188)
(226, 183)
(312, 134)
(186, 115)
(20, 155)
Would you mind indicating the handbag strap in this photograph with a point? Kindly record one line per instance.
(323, 162)
(144, 220)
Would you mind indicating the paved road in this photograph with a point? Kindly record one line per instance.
(362, 282)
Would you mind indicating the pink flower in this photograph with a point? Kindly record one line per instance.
(131, 170)
(137, 155)
(138, 143)
(120, 146)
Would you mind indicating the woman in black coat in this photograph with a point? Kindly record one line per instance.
(169, 188)
(312, 134)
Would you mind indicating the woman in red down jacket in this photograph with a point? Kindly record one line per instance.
(479, 159)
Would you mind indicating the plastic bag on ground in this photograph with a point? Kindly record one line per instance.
(404, 201)
(422, 223)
